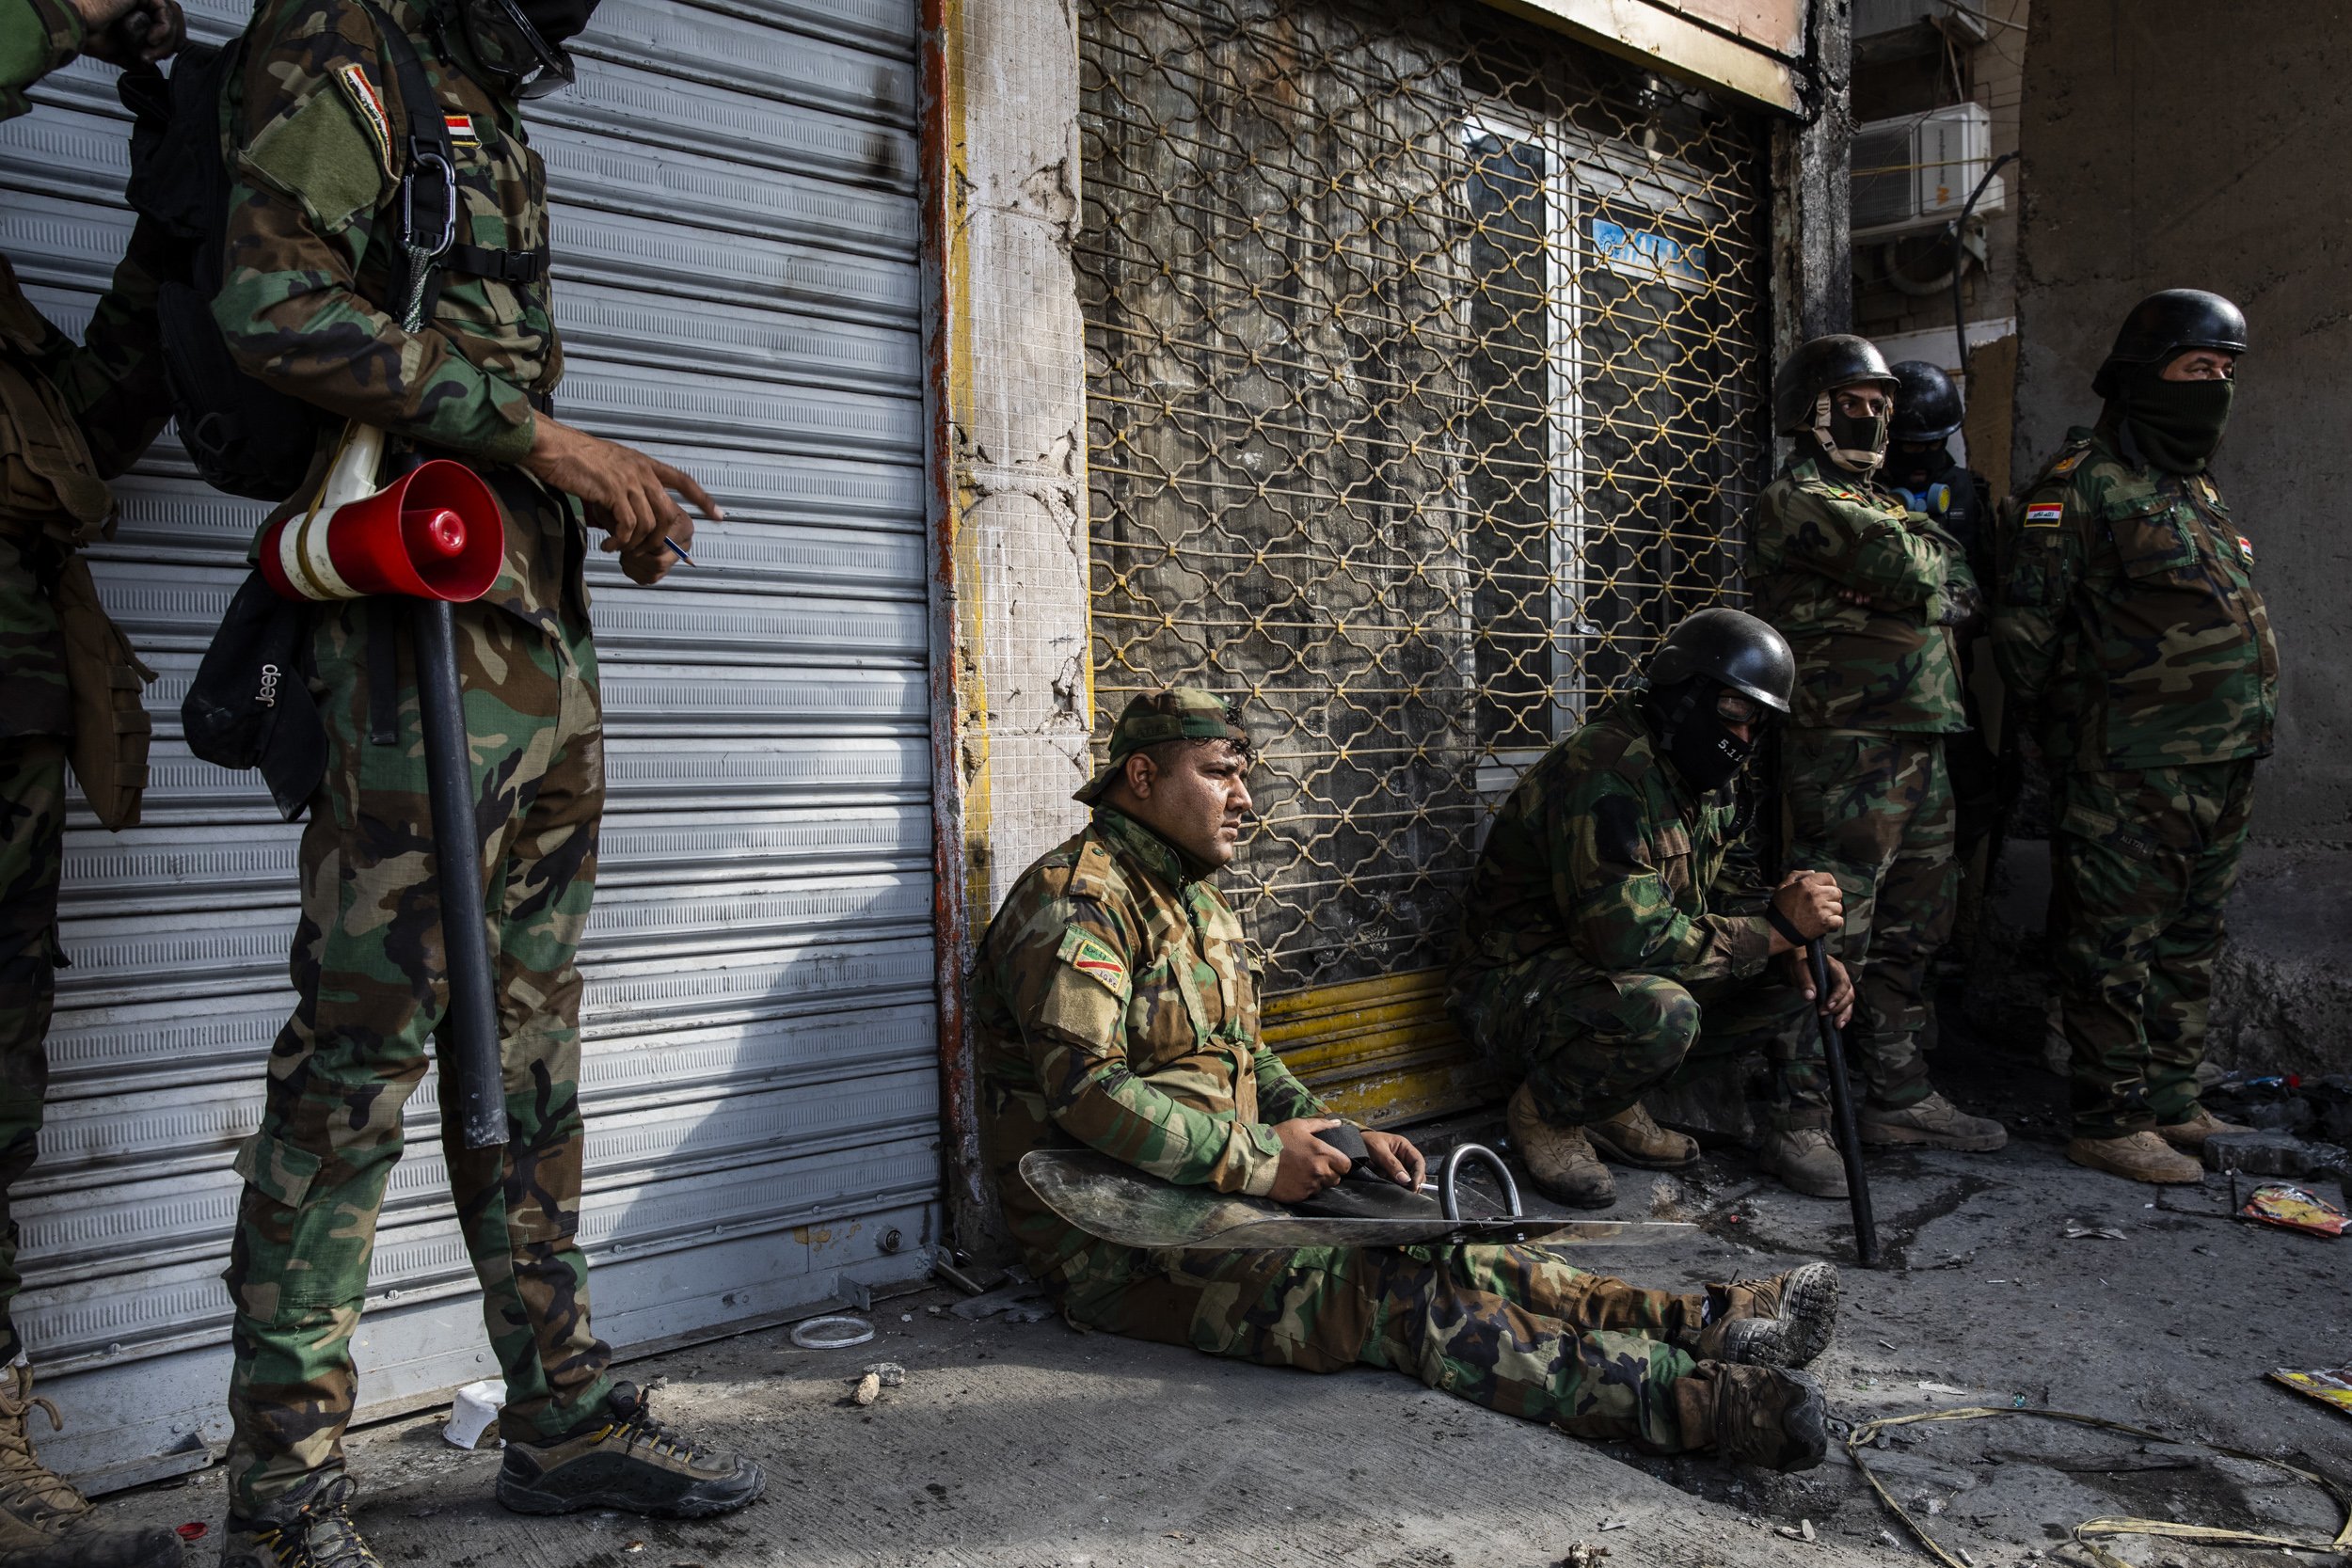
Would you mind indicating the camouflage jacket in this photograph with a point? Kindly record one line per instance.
(1603, 853)
(71, 415)
(1891, 664)
(2129, 617)
(319, 132)
(1116, 1003)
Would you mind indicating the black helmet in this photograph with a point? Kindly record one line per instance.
(1838, 360)
(1927, 404)
(1732, 647)
(2168, 323)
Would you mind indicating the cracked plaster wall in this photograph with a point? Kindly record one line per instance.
(1018, 439)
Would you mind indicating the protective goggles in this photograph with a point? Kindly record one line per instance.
(1738, 707)
(511, 49)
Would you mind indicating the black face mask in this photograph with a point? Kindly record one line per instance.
(1698, 742)
(520, 44)
(2176, 424)
(558, 22)
(1857, 445)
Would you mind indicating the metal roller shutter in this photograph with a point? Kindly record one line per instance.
(736, 238)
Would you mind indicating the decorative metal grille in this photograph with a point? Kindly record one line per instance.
(1424, 353)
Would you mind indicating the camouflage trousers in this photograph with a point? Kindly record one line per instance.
(1590, 1046)
(32, 845)
(1876, 811)
(2142, 865)
(1514, 1328)
(371, 987)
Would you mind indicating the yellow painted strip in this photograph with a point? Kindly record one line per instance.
(1379, 1051)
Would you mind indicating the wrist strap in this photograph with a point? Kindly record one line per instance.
(1782, 924)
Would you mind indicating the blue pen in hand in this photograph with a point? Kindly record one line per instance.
(680, 548)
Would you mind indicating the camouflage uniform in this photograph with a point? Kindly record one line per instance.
(70, 418)
(313, 171)
(1863, 779)
(1115, 1002)
(1615, 938)
(2130, 625)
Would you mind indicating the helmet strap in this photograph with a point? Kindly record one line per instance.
(1858, 460)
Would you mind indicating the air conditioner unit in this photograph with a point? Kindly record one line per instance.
(1914, 174)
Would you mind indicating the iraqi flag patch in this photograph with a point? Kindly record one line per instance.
(1095, 961)
(2246, 548)
(461, 130)
(2044, 514)
(369, 108)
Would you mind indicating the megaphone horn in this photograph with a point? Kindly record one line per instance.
(436, 532)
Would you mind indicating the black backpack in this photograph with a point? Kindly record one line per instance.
(246, 437)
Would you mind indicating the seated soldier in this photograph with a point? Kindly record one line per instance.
(1116, 1003)
(1617, 936)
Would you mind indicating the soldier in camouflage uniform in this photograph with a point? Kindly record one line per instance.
(1617, 936)
(1116, 1002)
(72, 416)
(1873, 597)
(2130, 629)
(310, 248)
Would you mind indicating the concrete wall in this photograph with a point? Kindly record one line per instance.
(2142, 173)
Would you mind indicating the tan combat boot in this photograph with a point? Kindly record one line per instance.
(1560, 1159)
(2136, 1157)
(626, 1458)
(1935, 1122)
(1805, 1159)
(1766, 1415)
(309, 1527)
(2202, 1124)
(45, 1523)
(1632, 1139)
(1785, 1320)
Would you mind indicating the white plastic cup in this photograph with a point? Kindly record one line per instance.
(472, 1412)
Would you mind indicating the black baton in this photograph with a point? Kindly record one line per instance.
(1866, 1230)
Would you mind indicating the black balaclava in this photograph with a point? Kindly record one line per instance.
(1858, 446)
(1698, 742)
(2176, 424)
(558, 22)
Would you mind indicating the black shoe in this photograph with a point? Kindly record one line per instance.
(624, 1459)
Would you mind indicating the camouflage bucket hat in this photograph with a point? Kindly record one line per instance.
(1178, 713)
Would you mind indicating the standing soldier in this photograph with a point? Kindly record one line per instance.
(1871, 595)
(2131, 629)
(318, 156)
(1616, 935)
(1115, 1002)
(70, 419)
(1926, 478)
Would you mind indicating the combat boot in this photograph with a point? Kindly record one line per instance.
(1805, 1159)
(628, 1460)
(308, 1527)
(45, 1523)
(1559, 1158)
(2136, 1157)
(1766, 1416)
(1632, 1138)
(2202, 1124)
(1782, 1322)
(1935, 1122)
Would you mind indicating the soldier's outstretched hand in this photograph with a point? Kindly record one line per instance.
(628, 494)
(1812, 902)
(1309, 1165)
(131, 32)
(1396, 1157)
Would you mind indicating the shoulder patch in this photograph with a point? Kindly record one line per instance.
(369, 106)
(2246, 548)
(1092, 874)
(1092, 958)
(1617, 830)
(2072, 461)
(2044, 514)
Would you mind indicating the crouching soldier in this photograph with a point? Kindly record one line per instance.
(1117, 1007)
(1618, 937)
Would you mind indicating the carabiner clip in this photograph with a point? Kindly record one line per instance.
(423, 155)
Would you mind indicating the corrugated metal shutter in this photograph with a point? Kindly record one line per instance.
(736, 255)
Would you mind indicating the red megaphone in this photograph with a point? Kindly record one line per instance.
(436, 532)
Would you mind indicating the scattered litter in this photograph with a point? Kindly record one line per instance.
(892, 1374)
(957, 1277)
(1582, 1555)
(634, 1546)
(473, 1414)
(193, 1530)
(906, 1317)
(833, 1333)
(1021, 1302)
(1939, 1388)
(2078, 1232)
(2270, 1153)
(2296, 1209)
(1801, 1530)
(1615, 1524)
(1887, 1343)
(2328, 1385)
(1886, 1538)
(868, 1389)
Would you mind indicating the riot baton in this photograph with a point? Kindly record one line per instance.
(1866, 1230)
